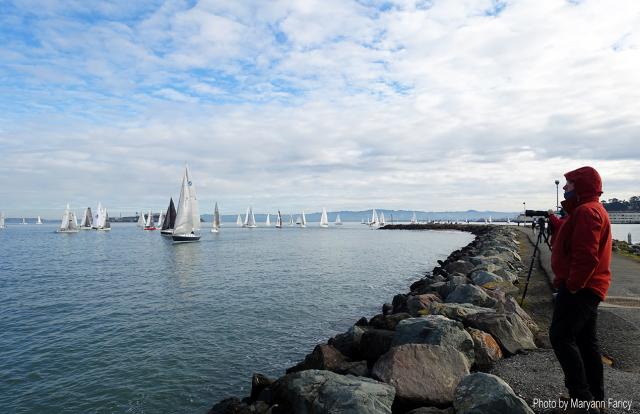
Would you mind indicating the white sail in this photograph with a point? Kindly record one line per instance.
(303, 220)
(324, 220)
(279, 220)
(86, 219)
(239, 220)
(414, 220)
(291, 223)
(160, 219)
(141, 221)
(39, 220)
(381, 218)
(249, 219)
(105, 225)
(338, 221)
(268, 221)
(24, 221)
(215, 225)
(188, 214)
(68, 223)
(1, 220)
(374, 218)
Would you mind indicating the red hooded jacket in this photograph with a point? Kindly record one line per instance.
(581, 254)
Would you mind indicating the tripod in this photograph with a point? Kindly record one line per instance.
(542, 235)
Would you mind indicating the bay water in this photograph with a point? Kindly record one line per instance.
(128, 322)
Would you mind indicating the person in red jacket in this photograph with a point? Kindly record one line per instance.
(580, 259)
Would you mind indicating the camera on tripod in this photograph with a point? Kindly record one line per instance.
(536, 213)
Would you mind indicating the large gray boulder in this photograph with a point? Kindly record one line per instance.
(435, 330)
(421, 304)
(508, 329)
(458, 311)
(326, 357)
(422, 374)
(375, 342)
(481, 393)
(471, 294)
(388, 321)
(459, 266)
(315, 392)
(482, 277)
(348, 343)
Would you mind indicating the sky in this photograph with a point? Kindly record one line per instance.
(303, 104)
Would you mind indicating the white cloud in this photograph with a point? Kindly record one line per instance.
(292, 104)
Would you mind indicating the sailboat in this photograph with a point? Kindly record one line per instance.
(324, 220)
(239, 221)
(414, 220)
(160, 220)
(150, 225)
(338, 221)
(188, 216)
(141, 220)
(87, 219)
(23, 221)
(68, 223)
(302, 220)
(39, 220)
(279, 220)
(106, 225)
(249, 219)
(268, 221)
(1, 221)
(169, 219)
(291, 223)
(374, 218)
(215, 226)
(490, 220)
(381, 219)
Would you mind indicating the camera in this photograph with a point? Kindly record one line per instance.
(536, 213)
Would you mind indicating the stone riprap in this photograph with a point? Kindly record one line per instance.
(424, 352)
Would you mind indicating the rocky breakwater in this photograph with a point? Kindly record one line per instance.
(425, 353)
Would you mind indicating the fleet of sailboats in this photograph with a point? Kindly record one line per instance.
(187, 227)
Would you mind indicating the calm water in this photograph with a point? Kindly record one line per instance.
(127, 322)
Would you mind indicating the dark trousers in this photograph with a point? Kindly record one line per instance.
(573, 336)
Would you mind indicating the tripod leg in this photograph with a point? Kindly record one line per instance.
(533, 258)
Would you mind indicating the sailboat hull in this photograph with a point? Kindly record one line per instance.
(215, 231)
(66, 231)
(185, 238)
(167, 232)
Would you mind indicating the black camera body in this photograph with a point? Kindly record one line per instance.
(536, 213)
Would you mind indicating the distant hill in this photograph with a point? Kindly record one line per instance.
(395, 215)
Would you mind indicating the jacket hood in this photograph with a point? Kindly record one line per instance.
(587, 182)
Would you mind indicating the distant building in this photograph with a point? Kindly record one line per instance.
(624, 217)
